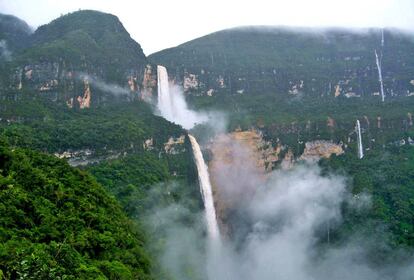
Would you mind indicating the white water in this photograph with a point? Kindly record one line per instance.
(205, 189)
(172, 104)
(380, 76)
(360, 148)
(165, 100)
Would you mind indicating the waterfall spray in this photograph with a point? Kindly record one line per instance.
(360, 148)
(171, 102)
(205, 189)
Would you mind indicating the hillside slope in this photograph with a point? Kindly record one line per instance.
(58, 223)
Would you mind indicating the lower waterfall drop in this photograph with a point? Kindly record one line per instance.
(206, 191)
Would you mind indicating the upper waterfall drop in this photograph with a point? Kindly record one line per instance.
(206, 191)
(165, 100)
(172, 104)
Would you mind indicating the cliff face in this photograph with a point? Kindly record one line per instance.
(238, 161)
(313, 62)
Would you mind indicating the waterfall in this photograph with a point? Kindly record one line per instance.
(206, 192)
(378, 61)
(380, 76)
(172, 106)
(165, 99)
(171, 102)
(360, 148)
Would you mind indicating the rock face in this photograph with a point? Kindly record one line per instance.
(85, 100)
(148, 144)
(149, 83)
(238, 161)
(320, 149)
(230, 61)
(266, 155)
(175, 145)
(190, 82)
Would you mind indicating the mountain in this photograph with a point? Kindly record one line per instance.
(72, 58)
(297, 85)
(73, 92)
(90, 38)
(293, 61)
(14, 33)
(95, 185)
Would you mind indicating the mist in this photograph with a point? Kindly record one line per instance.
(288, 216)
(177, 110)
(5, 53)
(173, 107)
(113, 89)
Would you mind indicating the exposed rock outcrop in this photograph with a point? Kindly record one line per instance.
(148, 144)
(85, 100)
(321, 149)
(190, 82)
(175, 145)
(149, 83)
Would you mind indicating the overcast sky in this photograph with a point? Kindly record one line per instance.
(159, 24)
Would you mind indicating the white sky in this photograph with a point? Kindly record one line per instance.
(159, 24)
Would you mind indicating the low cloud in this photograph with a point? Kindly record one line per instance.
(5, 53)
(113, 89)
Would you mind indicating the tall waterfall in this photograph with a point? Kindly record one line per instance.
(172, 104)
(360, 148)
(380, 76)
(205, 189)
(173, 107)
(378, 61)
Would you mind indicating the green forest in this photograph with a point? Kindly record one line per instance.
(80, 187)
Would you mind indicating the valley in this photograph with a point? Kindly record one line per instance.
(209, 160)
